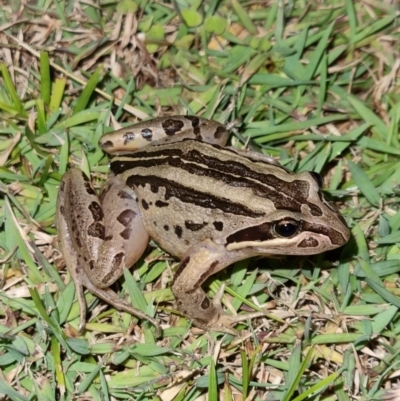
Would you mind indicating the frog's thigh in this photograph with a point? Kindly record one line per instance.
(125, 236)
(71, 257)
(200, 262)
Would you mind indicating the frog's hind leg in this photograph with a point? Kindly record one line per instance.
(99, 237)
(119, 303)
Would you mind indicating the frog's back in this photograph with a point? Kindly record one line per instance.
(189, 191)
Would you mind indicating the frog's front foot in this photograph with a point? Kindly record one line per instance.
(223, 322)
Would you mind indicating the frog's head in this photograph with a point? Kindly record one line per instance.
(302, 222)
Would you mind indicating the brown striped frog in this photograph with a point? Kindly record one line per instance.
(209, 206)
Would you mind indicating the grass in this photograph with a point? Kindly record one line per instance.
(315, 84)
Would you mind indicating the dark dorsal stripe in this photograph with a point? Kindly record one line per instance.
(285, 195)
(191, 196)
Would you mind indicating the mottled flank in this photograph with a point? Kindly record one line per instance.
(171, 126)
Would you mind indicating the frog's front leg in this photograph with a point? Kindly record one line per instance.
(99, 237)
(200, 262)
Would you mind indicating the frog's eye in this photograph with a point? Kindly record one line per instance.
(287, 228)
(317, 177)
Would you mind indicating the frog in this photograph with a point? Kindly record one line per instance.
(173, 180)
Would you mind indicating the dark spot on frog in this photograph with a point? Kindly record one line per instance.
(126, 217)
(178, 231)
(161, 203)
(204, 276)
(78, 270)
(171, 126)
(107, 144)
(195, 120)
(78, 241)
(145, 205)
(115, 264)
(126, 234)
(155, 223)
(336, 237)
(219, 225)
(62, 210)
(308, 243)
(97, 211)
(89, 189)
(166, 227)
(129, 136)
(117, 259)
(184, 262)
(205, 304)
(147, 134)
(108, 238)
(85, 177)
(124, 195)
(97, 230)
(262, 232)
(62, 185)
(219, 132)
(197, 132)
(192, 226)
(92, 265)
